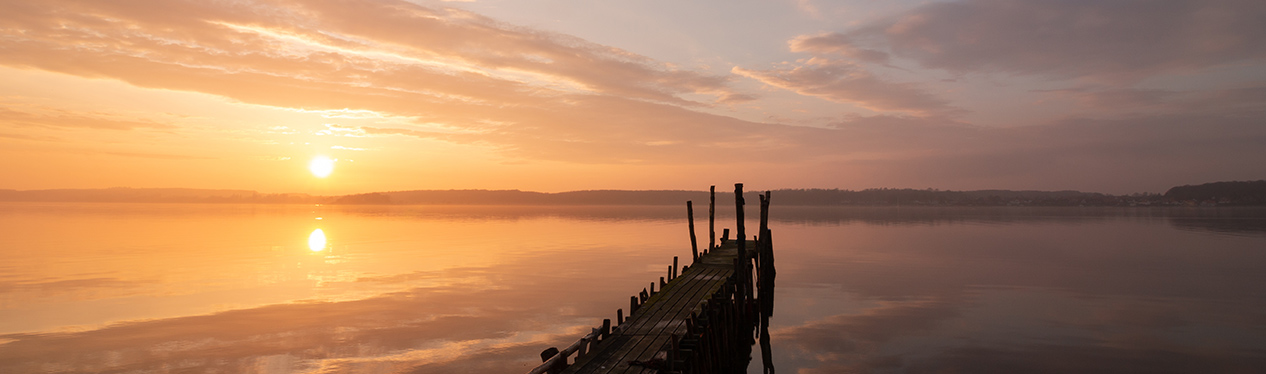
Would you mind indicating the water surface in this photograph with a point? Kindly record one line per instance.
(121, 288)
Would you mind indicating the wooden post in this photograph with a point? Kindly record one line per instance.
(768, 274)
(712, 215)
(558, 365)
(632, 306)
(548, 353)
(764, 214)
(674, 351)
(725, 236)
(662, 283)
(740, 235)
(674, 275)
(606, 328)
(619, 317)
(694, 246)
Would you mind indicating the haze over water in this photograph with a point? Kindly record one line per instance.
(123, 288)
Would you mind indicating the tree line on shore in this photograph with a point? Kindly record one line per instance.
(1237, 193)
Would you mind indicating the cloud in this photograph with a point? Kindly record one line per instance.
(839, 44)
(846, 82)
(1108, 99)
(524, 92)
(60, 118)
(281, 37)
(1114, 41)
(459, 77)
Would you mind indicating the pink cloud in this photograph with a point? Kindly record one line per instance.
(1111, 41)
(846, 82)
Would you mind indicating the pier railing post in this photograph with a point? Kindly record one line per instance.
(674, 272)
(740, 236)
(764, 214)
(718, 333)
(712, 214)
(694, 246)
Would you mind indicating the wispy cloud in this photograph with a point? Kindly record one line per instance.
(398, 69)
(14, 116)
(528, 91)
(1112, 41)
(839, 44)
(846, 82)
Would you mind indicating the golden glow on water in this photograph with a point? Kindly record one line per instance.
(321, 166)
(316, 241)
(452, 280)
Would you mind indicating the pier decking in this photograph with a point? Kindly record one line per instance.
(643, 337)
(699, 322)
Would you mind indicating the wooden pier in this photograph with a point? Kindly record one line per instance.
(701, 321)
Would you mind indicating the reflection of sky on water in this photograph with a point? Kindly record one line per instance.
(106, 288)
(1110, 294)
(239, 289)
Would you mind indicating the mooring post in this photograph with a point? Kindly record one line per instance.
(740, 236)
(768, 274)
(619, 317)
(606, 328)
(760, 238)
(632, 306)
(725, 236)
(694, 246)
(712, 214)
(673, 352)
(558, 365)
(674, 275)
(764, 214)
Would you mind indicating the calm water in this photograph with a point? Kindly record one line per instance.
(258, 289)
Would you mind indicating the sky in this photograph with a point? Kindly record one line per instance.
(1104, 96)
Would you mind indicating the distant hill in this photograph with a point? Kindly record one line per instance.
(891, 196)
(1221, 193)
(516, 197)
(151, 195)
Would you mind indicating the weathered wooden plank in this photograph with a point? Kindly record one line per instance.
(657, 335)
(643, 334)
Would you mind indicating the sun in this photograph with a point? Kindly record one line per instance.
(321, 166)
(316, 240)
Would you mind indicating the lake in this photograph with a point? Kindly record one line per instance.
(158, 288)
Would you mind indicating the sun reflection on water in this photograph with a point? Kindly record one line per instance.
(316, 241)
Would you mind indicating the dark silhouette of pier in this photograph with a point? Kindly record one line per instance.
(703, 319)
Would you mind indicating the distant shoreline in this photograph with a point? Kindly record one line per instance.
(1248, 193)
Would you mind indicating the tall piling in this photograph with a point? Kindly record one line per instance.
(694, 246)
(712, 215)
